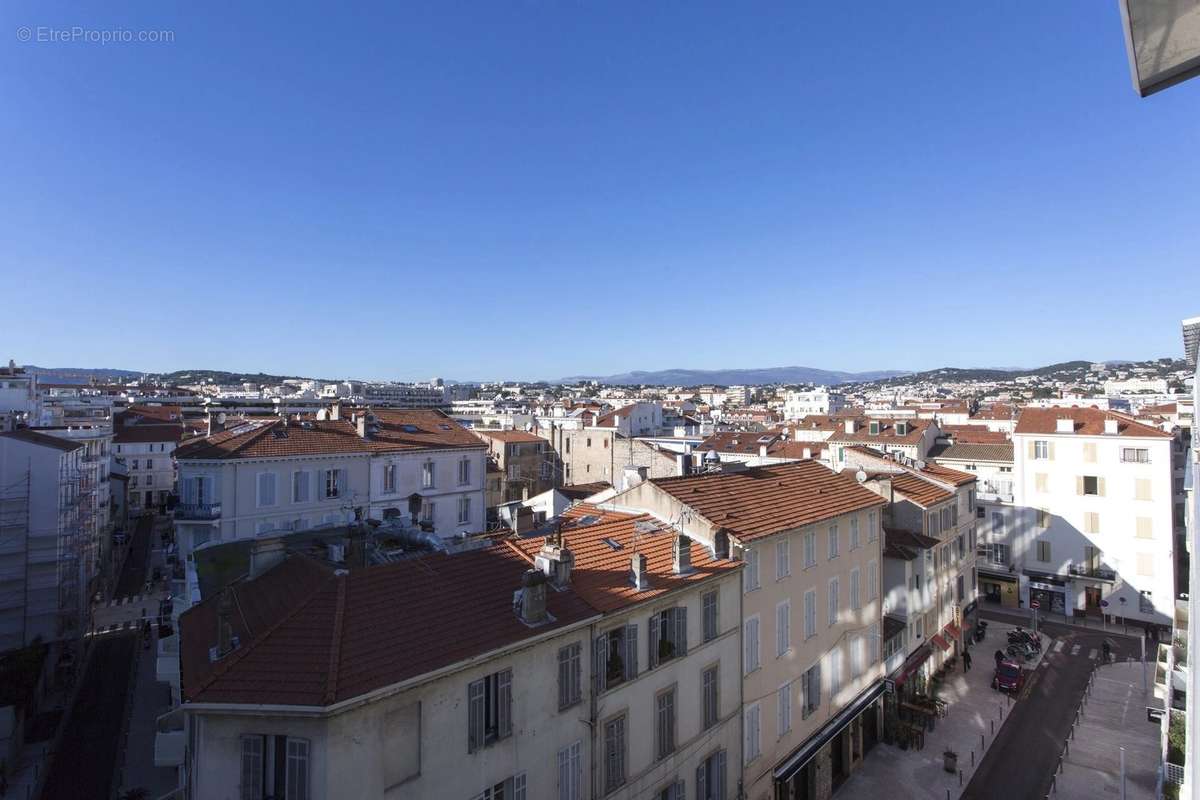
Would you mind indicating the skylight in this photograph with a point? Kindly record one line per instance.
(410, 428)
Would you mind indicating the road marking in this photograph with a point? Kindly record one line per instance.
(1092, 654)
(1058, 646)
(1075, 650)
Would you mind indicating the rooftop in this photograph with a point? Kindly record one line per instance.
(509, 437)
(1086, 422)
(887, 432)
(973, 452)
(43, 439)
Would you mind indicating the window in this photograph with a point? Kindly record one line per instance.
(960, 588)
(489, 710)
(335, 481)
(428, 511)
(1145, 528)
(389, 477)
(810, 613)
(1089, 452)
(149, 480)
(1041, 449)
(835, 671)
(750, 573)
(616, 657)
(833, 601)
(668, 635)
(1145, 564)
(514, 471)
(266, 489)
(464, 471)
(300, 487)
(711, 699)
(1041, 482)
(854, 542)
(783, 627)
(810, 549)
(872, 528)
(508, 789)
(856, 656)
(932, 524)
(750, 642)
(873, 642)
(810, 691)
(149, 463)
(855, 585)
(946, 521)
(276, 767)
(753, 744)
(833, 541)
(872, 580)
(710, 612)
(427, 475)
(135, 464)
(1043, 518)
(1145, 604)
(784, 717)
(464, 510)
(672, 791)
(710, 777)
(1091, 522)
(1043, 552)
(570, 675)
(614, 753)
(570, 772)
(1136, 455)
(664, 730)
(783, 559)
(1090, 485)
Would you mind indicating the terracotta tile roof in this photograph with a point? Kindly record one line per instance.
(743, 442)
(829, 422)
(996, 411)
(147, 432)
(420, 429)
(272, 439)
(947, 474)
(973, 452)
(609, 420)
(582, 491)
(43, 439)
(795, 449)
(873, 459)
(887, 432)
(763, 500)
(920, 491)
(1087, 422)
(310, 636)
(973, 434)
(509, 436)
(601, 572)
(135, 414)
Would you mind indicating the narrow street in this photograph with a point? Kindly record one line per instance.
(1022, 760)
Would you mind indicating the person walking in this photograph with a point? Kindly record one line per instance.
(966, 660)
(999, 657)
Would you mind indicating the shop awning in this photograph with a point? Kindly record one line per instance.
(952, 630)
(796, 761)
(939, 641)
(911, 664)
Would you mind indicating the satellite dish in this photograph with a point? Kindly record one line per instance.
(860, 476)
(920, 465)
(221, 418)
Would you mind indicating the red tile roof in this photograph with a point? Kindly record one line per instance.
(509, 436)
(973, 452)
(920, 491)
(602, 574)
(795, 449)
(887, 432)
(147, 432)
(312, 636)
(760, 501)
(420, 429)
(149, 414)
(1087, 422)
(743, 442)
(974, 434)
(937, 472)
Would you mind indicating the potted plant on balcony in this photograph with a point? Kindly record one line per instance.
(950, 761)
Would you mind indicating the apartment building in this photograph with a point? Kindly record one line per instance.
(1187, 612)
(665, 657)
(810, 540)
(907, 438)
(148, 452)
(1095, 490)
(524, 459)
(45, 573)
(264, 476)
(406, 395)
(590, 454)
(420, 678)
(636, 419)
(907, 599)
(996, 512)
(818, 401)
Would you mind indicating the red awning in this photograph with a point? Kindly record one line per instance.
(910, 666)
(939, 641)
(951, 629)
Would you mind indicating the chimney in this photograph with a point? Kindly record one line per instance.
(634, 476)
(683, 464)
(849, 426)
(555, 561)
(360, 422)
(682, 551)
(335, 410)
(226, 641)
(265, 554)
(531, 599)
(216, 422)
(638, 572)
(1111, 426)
(762, 451)
(1067, 425)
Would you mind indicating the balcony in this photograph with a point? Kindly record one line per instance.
(988, 495)
(198, 511)
(1099, 573)
(168, 748)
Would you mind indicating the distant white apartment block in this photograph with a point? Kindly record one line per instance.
(821, 401)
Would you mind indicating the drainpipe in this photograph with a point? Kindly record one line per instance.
(593, 712)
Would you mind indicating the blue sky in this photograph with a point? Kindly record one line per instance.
(536, 189)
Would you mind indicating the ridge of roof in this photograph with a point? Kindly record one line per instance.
(335, 648)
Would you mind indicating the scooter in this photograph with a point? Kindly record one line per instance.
(1025, 651)
(1028, 637)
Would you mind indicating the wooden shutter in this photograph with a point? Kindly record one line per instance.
(1078, 484)
(600, 662)
(252, 768)
(701, 783)
(652, 654)
(475, 716)
(681, 630)
(631, 663)
(1100, 486)
(1032, 452)
(504, 703)
(1050, 450)
(719, 794)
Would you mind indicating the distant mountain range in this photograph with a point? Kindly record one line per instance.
(735, 377)
(79, 374)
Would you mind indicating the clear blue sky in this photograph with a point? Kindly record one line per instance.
(551, 187)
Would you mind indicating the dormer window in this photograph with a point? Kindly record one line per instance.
(874, 427)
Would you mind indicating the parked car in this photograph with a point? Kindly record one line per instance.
(1009, 677)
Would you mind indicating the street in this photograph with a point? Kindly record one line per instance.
(1023, 758)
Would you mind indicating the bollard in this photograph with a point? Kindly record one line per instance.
(981, 747)
(1067, 746)
(1060, 764)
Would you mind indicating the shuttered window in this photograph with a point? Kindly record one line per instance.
(810, 613)
(783, 720)
(872, 580)
(664, 735)
(570, 772)
(753, 741)
(710, 777)
(614, 753)
(1145, 528)
(266, 488)
(711, 697)
(570, 675)
(668, 635)
(855, 589)
(489, 709)
(711, 613)
(252, 768)
(750, 643)
(783, 627)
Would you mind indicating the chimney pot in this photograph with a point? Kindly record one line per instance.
(531, 601)
(638, 574)
(683, 554)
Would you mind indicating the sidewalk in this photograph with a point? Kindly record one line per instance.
(1023, 617)
(1113, 718)
(973, 708)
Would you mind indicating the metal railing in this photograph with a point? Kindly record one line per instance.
(1101, 573)
(203, 511)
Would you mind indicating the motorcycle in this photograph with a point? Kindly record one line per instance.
(1024, 651)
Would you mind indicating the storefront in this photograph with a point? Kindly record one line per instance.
(819, 766)
(999, 589)
(909, 679)
(1049, 591)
